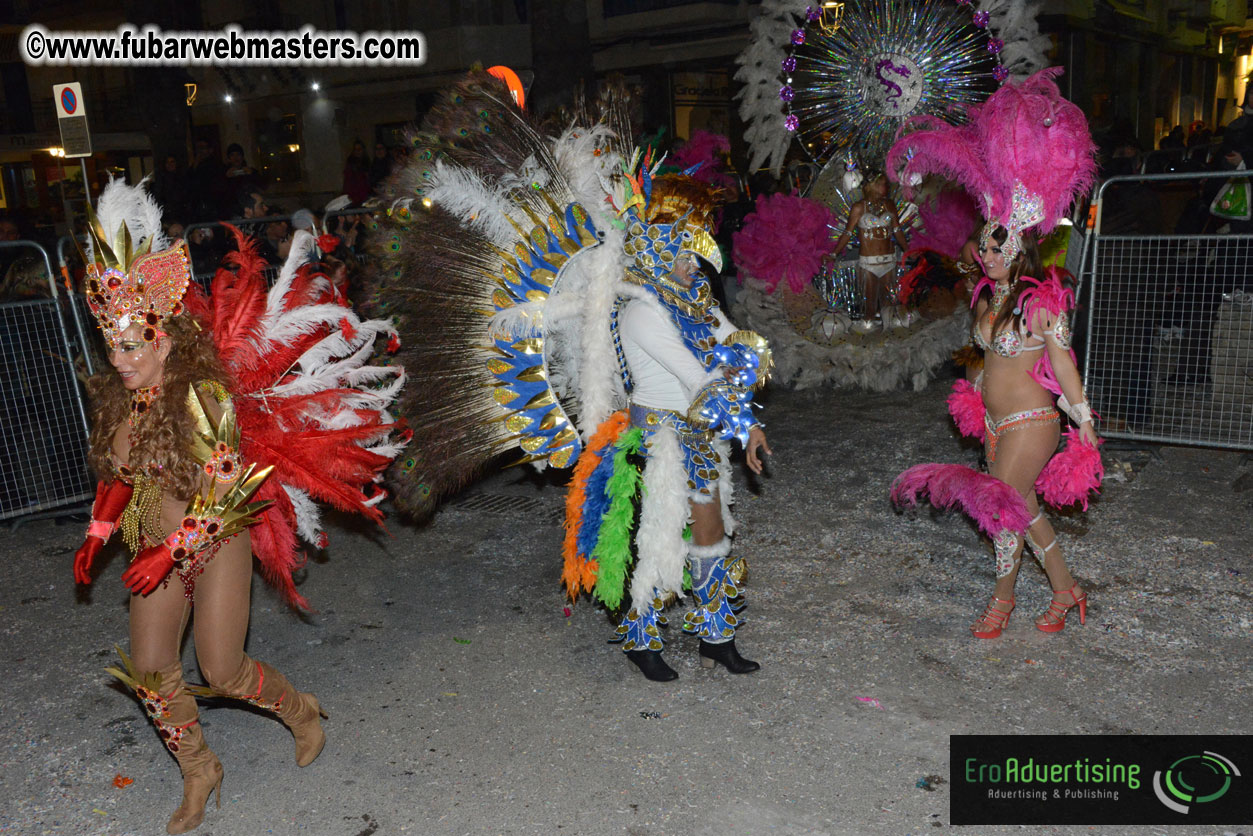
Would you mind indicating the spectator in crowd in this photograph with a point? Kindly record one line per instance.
(357, 174)
(276, 242)
(9, 230)
(1131, 207)
(1193, 301)
(399, 154)
(22, 271)
(239, 174)
(202, 245)
(380, 166)
(1174, 139)
(171, 188)
(1199, 138)
(208, 182)
(249, 203)
(733, 212)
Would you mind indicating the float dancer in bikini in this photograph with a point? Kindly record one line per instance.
(875, 218)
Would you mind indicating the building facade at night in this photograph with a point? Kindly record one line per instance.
(1137, 67)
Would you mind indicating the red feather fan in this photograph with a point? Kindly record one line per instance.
(305, 402)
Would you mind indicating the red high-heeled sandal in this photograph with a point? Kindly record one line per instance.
(1058, 611)
(996, 620)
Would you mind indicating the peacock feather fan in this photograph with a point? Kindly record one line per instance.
(478, 263)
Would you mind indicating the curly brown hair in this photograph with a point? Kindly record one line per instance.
(161, 441)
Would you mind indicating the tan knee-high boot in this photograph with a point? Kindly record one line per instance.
(261, 685)
(172, 709)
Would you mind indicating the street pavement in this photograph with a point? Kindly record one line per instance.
(467, 695)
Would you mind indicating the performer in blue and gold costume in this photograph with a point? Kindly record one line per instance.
(689, 376)
(548, 285)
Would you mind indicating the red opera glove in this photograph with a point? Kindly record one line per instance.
(149, 569)
(84, 557)
(111, 500)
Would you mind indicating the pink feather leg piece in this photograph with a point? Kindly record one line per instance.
(992, 504)
(966, 406)
(1071, 475)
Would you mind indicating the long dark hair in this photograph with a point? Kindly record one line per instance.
(1026, 264)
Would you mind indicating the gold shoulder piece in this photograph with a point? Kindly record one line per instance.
(760, 347)
(209, 433)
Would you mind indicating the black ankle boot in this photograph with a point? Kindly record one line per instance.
(725, 654)
(651, 665)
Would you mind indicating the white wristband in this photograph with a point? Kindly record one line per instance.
(1080, 412)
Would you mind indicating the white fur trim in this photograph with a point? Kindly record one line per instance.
(726, 488)
(722, 548)
(599, 381)
(663, 516)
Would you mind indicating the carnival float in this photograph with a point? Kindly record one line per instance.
(827, 88)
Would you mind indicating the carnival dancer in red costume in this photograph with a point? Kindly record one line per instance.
(1028, 154)
(224, 421)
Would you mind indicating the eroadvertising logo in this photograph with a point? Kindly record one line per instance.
(1101, 779)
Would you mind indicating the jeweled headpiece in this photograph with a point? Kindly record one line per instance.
(1026, 151)
(128, 284)
(1026, 210)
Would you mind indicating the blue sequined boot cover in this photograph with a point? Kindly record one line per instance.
(715, 588)
(641, 631)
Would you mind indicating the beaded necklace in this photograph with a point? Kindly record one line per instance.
(141, 403)
(144, 509)
(999, 295)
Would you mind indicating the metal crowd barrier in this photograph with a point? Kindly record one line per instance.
(43, 417)
(89, 337)
(1169, 343)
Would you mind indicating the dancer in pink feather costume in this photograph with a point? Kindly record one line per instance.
(1028, 154)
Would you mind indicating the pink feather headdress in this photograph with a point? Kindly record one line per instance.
(1026, 153)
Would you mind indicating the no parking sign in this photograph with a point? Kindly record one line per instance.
(72, 119)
